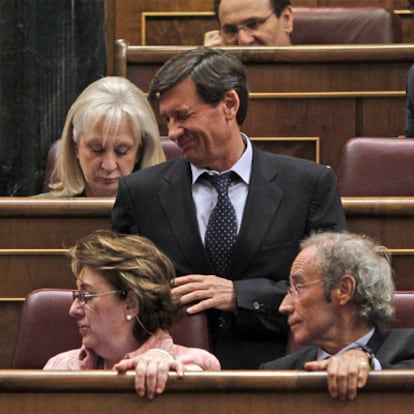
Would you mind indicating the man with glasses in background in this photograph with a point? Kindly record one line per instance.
(251, 23)
(340, 302)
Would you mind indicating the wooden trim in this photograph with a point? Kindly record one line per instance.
(101, 207)
(55, 207)
(315, 140)
(148, 15)
(288, 54)
(400, 381)
(322, 95)
(121, 59)
(33, 252)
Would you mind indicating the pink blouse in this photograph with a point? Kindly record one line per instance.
(194, 359)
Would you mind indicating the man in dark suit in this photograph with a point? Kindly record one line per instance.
(276, 201)
(339, 302)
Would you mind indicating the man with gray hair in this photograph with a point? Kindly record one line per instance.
(340, 303)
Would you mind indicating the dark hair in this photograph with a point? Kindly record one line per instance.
(277, 5)
(213, 72)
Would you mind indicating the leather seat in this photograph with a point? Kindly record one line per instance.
(377, 167)
(46, 329)
(345, 25)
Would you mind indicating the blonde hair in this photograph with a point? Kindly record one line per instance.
(112, 99)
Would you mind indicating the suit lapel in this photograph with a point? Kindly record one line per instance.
(177, 201)
(261, 205)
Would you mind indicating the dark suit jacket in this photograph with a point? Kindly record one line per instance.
(287, 199)
(393, 349)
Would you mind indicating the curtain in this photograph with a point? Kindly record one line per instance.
(50, 50)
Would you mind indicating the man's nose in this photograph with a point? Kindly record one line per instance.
(244, 37)
(175, 130)
(287, 304)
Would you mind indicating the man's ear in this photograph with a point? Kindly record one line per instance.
(286, 18)
(344, 291)
(231, 103)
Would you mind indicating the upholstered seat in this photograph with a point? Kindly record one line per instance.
(377, 167)
(46, 329)
(336, 25)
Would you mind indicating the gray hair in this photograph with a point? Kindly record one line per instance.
(369, 264)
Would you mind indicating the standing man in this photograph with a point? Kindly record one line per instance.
(251, 23)
(339, 301)
(272, 203)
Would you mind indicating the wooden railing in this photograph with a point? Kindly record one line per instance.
(224, 392)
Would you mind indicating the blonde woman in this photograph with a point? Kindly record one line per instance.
(110, 131)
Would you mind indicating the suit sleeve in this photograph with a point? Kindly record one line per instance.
(326, 211)
(258, 299)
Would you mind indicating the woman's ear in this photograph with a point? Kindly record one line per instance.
(231, 104)
(132, 304)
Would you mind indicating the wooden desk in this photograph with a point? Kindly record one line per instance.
(334, 92)
(226, 392)
(34, 235)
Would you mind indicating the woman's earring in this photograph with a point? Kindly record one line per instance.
(129, 317)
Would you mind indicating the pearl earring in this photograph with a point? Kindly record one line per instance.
(129, 317)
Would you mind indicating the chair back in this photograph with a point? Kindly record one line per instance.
(345, 25)
(377, 167)
(46, 329)
(404, 309)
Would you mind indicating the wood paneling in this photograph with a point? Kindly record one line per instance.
(47, 224)
(226, 392)
(332, 92)
(128, 14)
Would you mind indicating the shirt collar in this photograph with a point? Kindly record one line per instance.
(322, 354)
(242, 167)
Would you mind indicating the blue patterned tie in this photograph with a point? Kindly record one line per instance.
(221, 229)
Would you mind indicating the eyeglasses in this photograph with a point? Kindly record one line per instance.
(84, 297)
(294, 289)
(230, 31)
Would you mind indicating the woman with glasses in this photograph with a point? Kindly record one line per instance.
(123, 308)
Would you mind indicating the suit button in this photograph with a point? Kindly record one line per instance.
(256, 305)
(221, 322)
